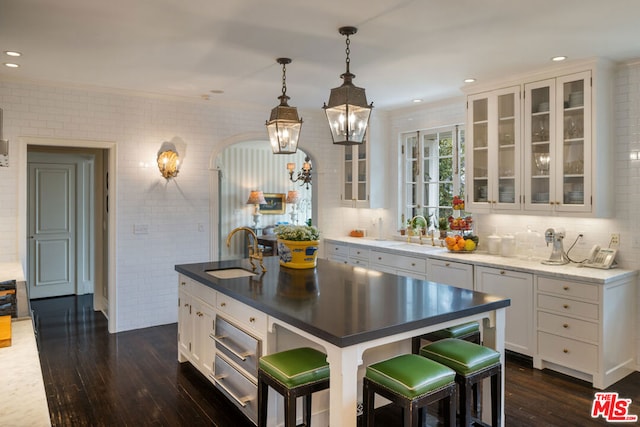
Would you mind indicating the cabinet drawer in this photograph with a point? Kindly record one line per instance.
(238, 345)
(567, 306)
(568, 288)
(360, 253)
(567, 352)
(205, 293)
(240, 389)
(450, 273)
(568, 327)
(337, 250)
(399, 262)
(250, 318)
(185, 284)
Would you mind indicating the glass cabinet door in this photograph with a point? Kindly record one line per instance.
(480, 150)
(574, 148)
(539, 142)
(355, 178)
(348, 173)
(508, 158)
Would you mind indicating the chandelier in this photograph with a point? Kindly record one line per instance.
(347, 110)
(284, 124)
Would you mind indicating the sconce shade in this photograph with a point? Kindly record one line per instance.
(347, 109)
(284, 123)
(256, 198)
(304, 175)
(169, 163)
(292, 196)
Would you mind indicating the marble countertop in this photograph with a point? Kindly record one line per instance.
(24, 401)
(481, 258)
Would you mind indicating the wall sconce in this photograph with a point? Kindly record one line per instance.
(256, 198)
(284, 124)
(168, 161)
(347, 110)
(292, 199)
(304, 175)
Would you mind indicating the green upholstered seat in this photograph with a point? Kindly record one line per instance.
(462, 356)
(410, 375)
(457, 331)
(296, 367)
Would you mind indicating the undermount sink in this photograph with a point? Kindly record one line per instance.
(230, 273)
(416, 247)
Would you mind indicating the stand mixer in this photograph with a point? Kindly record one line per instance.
(555, 236)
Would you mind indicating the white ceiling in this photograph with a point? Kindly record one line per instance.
(404, 49)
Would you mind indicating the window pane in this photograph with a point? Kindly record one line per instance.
(446, 169)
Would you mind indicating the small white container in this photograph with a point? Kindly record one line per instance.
(494, 244)
(508, 245)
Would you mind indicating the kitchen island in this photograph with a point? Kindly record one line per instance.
(348, 310)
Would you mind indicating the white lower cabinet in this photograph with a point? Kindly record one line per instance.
(518, 287)
(401, 265)
(450, 273)
(338, 252)
(586, 330)
(195, 323)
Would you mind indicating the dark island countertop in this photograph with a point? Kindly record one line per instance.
(342, 304)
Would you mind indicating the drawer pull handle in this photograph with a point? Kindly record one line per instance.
(252, 319)
(199, 313)
(566, 288)
(565, 306)
(223, 304)
(446, 264)
(503, 272)
(219, 340)
(566, 326)
(218, 380)
(183, 283)
(186, 304)
(566, 351)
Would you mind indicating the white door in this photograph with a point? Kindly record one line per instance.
(52, 225)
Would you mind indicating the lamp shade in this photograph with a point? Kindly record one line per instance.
(256, 198)
(292, 196)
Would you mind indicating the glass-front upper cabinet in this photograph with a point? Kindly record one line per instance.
(355, 190)
(494, 154)
(558, 144)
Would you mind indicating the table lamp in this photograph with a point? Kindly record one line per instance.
(292, 199)
(256, 198)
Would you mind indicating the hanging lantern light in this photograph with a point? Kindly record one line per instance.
(347, 110)
(284, 124)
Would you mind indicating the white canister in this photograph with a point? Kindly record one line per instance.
(494, 244)
(508, 245)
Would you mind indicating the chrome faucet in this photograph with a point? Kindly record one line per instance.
(255, 252)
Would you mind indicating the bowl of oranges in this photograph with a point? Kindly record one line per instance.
(461, 244)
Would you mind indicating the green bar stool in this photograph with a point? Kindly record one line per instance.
(472, 363)
(467, 331)
(292, 373)
(412, 382)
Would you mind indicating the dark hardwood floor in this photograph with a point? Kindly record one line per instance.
(93, 378)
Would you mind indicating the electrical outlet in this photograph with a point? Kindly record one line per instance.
(615, 240)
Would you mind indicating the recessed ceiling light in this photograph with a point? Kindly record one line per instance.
(216, 91)
(12, 53)
(469, 80)
(558, 58)
(11, 65)
(415, 101)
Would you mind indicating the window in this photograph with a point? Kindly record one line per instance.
(433, 171)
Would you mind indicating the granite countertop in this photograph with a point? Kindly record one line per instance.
(342, 304)
(481, 258)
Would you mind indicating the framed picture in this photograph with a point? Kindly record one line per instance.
(275, 204)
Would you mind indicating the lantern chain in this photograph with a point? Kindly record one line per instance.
(284, 80)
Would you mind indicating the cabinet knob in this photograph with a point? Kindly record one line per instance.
(566, 326)
(413, 264)
(252, 319)
(337, 248)
(223, 304)
(503, 272)
(198, 313)
(446, 264)
(379, 258)
(565, 351)
(186, 304)
(358, 252)
(182, 283)
(566, 288)
(565, 306)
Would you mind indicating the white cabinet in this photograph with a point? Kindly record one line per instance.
(450, 273)
(518, 287)
(355, 188)
(558, 162)
(548, 152)
(401, 265)
(494, 150)
(586, 330)
(338, 252)
(359, 256)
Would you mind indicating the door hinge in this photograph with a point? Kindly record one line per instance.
(189, 346)
(402, 150)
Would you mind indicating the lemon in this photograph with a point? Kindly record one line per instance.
(469, 245)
